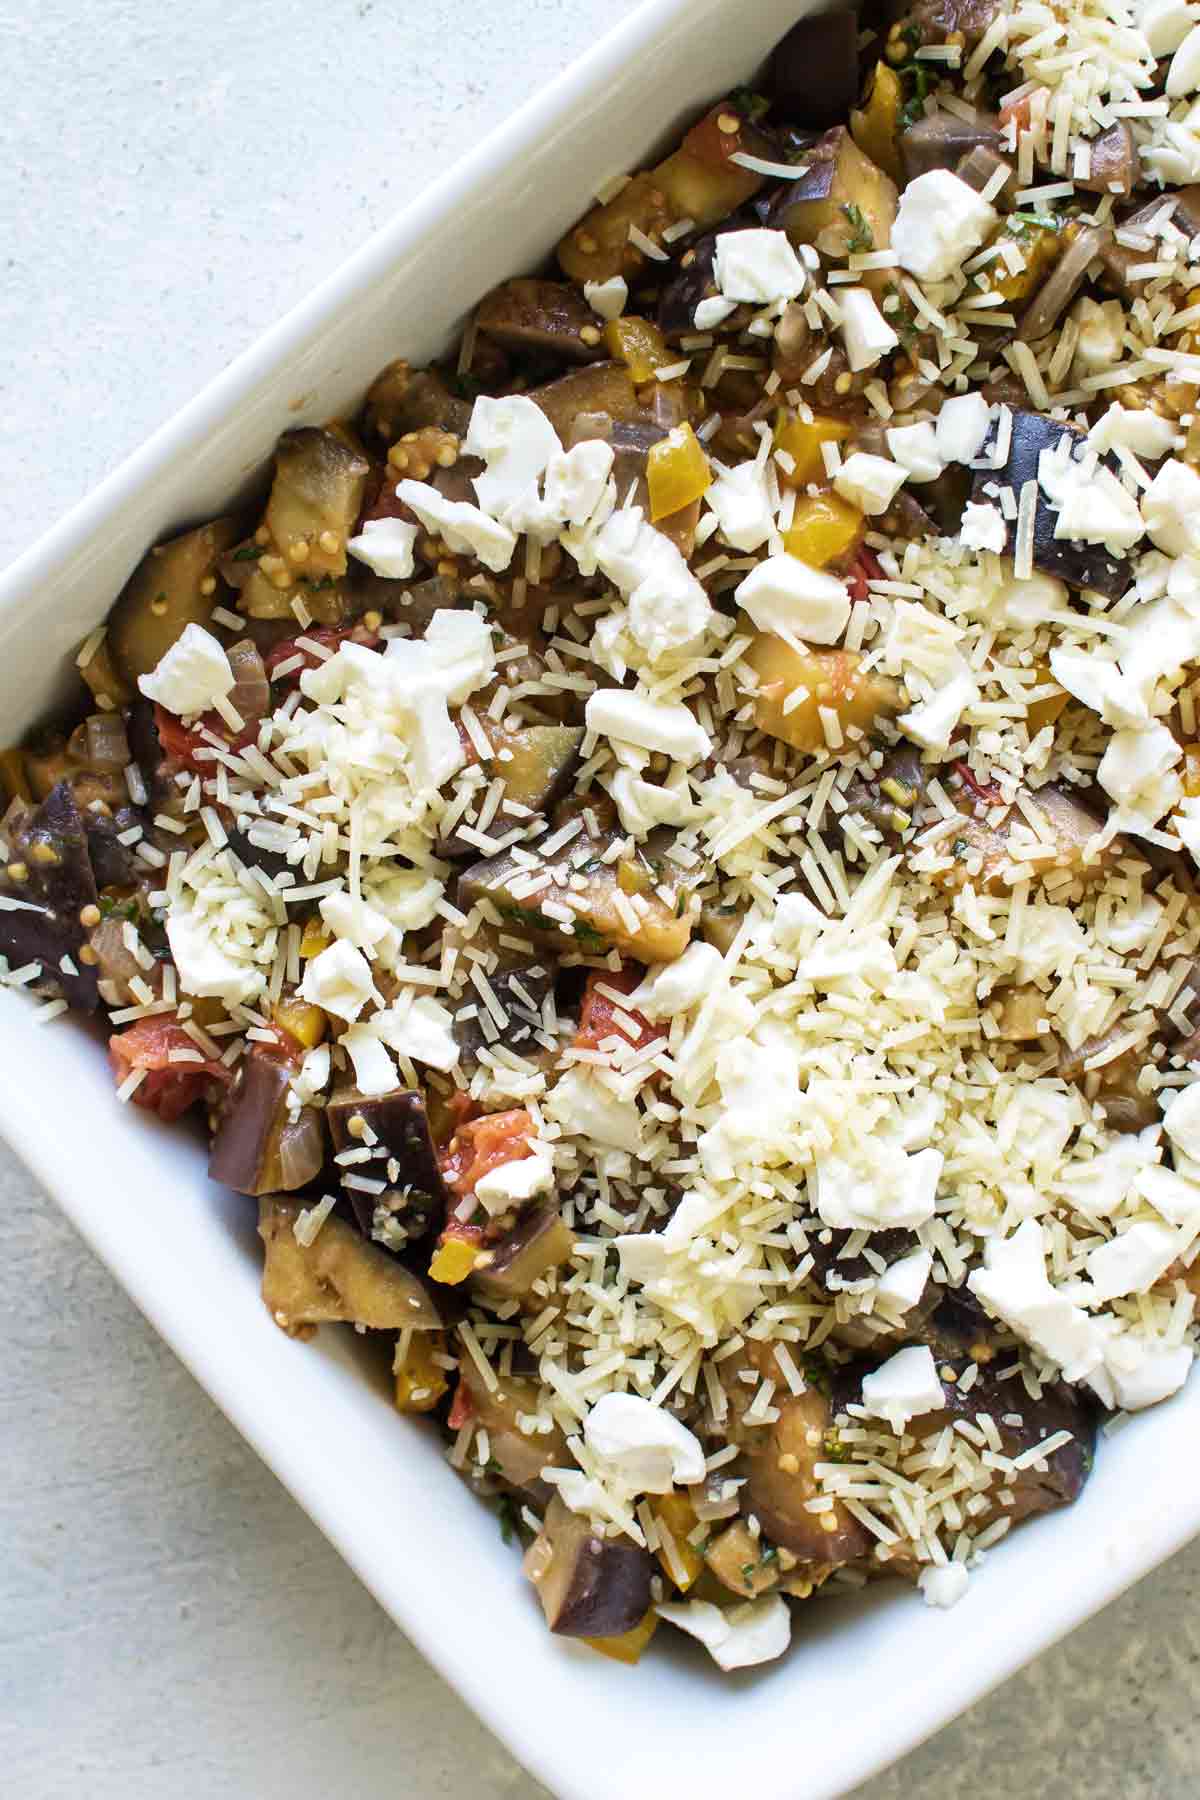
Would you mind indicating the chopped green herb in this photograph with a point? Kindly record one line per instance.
(248, 552)
(748, 105)
(126, 910)
(862, 238)
(507, 1517)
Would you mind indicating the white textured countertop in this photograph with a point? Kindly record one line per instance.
(174, 178)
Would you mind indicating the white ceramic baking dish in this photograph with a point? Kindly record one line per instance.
(868, 1678)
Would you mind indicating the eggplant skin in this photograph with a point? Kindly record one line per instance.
(49, 869)
(401, 1124)
(258, 1148)
(589, 1586)
(1079, 565)
(337, 1277)
(812, 76)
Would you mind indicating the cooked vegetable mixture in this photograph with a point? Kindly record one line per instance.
(665, 854)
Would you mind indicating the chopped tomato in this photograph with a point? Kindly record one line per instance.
(865, 567)
(181, 742)
(461, 1409)
(168, 1088)
(986, 792)
(598, 1014)
(330, 637)
(1019, 107)
(484, 1144)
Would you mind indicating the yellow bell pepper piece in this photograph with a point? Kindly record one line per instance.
(823, 527)
(1044, 712)
(420, 1382)
(639, 345)
(802, 440)
(314, 938)
(629, 1646)
(1191, 771)
(876, 127)
(304, 1022)
(453, 1261)
(676, 1513)
(677, 472)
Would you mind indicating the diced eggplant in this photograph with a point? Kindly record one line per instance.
(939, 20)
(508, 1267)
(114, 863)
(979, 168)
(1079, 565)
(663, 930)
(689, 280)
(941, 140)
(145, 747)
(1061, 1408)
(589, 1586)
(1019, 1012)
(174, 585)
(548, 316)
(1114, 1085)
(741, 1562)
(812, 75)
(536, 771)
(520, 1456)
(1116, 166)
(260, 1147)
(520, 984)
(780, 1480)
(1072, 826)
(399, 1125)
(404, 399)
(45, 886)
(835, 1271)
(339, 1276)
(843, 203)
(600, 388)
(1063, 283)
(315, 500)
(255, 856)
(1119, 259)
(833, 679)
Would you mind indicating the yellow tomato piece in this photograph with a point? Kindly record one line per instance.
(823, 527)
(677, 472)
(314, 938)
(1191, 771)
(796, 687)
(629, 1646)
(420, 1382)
(453, 1261)
(639, 345)
(305, 1023)
(676, 1513)
(802, 440)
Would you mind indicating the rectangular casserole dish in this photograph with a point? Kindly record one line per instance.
(868, 1678)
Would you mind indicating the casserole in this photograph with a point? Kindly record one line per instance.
(187, 1266)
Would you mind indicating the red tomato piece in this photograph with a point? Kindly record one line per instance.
(598, 1014)
(484, 1144)
(168, 1088)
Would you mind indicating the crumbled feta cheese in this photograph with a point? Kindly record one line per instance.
(795, 919)
(869, 482)
(509, 1183)
(1096, 681)
(1171, 1194)
(1186, 822)
(939, 222)
(643, 1255)
(192, 676)
(607, 298)
(1136, 772)
(516, 440)
(903, 1283)
(1165, 24)
(313, 1076)
(1132, 1262)
(736, 1637)
(339, 980)
(742, 503)
(644, 805)
(643, 1445)
(784, 595)
(1182, 1121)
(962, 425)
(677, 987)
(866, 334)
(374, 1070)
(386, 546)
(205, 966)
(1132, 930)
(1101, 334)
(1171, 507)
(668, 607)
(1013, 1285)
(713, 312)
(649, 724)
(1052, 940)
(408, 899)
(583, 1106)
(944, 1584)
(757, 266)
(361, 925)
(576, 480)
(983, 527)
(1133, 428)
(1144, 1376)
(932, 723)
(1092, 505)
(915, 448)
(886, 1188)
(1028, 601)
(1183, 76)
(422, 1031)
(903, 1387)
(465, 528)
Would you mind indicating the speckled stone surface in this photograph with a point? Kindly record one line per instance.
(172, 1625)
